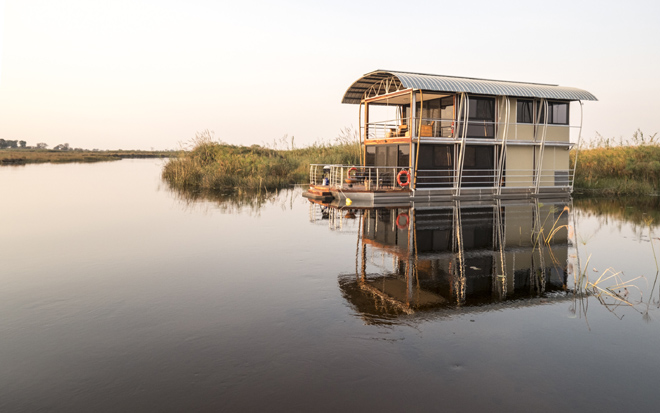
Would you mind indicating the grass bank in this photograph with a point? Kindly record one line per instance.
(24, 156)
(215, 166)
(626, 169)
(618, 170)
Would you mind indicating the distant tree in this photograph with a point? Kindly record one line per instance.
(22, 143)
(42, 145)
(11, 144)
(3, 143)
(62, 147)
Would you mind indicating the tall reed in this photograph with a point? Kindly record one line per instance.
(210, 165)
(629, 167)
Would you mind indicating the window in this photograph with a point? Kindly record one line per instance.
(370, 156)
(442, 156)
(435, 167)
(525, 110)
(557, 113)
(481, 117)
(478, 166)
(436, 157)
(479, 157)
(404, 155)
(388, 155)
(381, 155)
(482, 109)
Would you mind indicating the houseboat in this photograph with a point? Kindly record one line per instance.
(429, 138)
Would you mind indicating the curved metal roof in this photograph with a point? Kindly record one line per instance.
(438, 83)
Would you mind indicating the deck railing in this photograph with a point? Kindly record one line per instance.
(382, 177)
(349, 176)
(449, 128)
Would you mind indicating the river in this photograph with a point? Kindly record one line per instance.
(117, 294)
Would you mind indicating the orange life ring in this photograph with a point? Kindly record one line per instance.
(401, 173)
(353, 169)
(399, 224)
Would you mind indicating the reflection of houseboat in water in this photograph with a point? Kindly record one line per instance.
(436, 257)
(434, 138)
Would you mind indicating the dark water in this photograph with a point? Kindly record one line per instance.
(118, 295)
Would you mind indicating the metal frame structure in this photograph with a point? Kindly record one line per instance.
(502, 177)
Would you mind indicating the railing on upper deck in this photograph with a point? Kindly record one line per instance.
(393, 128)
(450, 128)
(348, 176)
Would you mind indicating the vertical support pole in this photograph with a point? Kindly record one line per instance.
(539, 168)
(413, 114)
(363, 143)
(377, 178)
(505, 130)
(369, 181)
(577, 148)
(412, 263)
(366, 122)
(464, 110)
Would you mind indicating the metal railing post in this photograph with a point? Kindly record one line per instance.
(377, 178)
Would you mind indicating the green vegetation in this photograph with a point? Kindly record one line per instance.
(217, 166)
(22, 156)
(621, 168)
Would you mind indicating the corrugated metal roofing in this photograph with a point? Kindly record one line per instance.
(438, 83)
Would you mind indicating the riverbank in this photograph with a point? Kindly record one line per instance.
(216, 166)
(602, 170)
(618, 170)
(24, 156)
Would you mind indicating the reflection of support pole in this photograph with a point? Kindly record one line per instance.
(577, 269)
(357, 247)
(459, 267)
(364, 262)
(412, 259)
(502, 276)
(539, 273)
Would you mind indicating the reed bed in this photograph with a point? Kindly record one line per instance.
(210, 165)
(620, 168)
(24, 156)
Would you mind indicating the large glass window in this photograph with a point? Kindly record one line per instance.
(478, 166)
(404, 155)
(381, 155)
(525, 111)
(481, 117)
(557, 113)
(437, 116)
(435, 167)
(388, 155)
(370, 156)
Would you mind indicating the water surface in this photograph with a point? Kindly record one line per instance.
(117, 294)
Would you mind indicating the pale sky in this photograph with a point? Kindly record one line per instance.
(144, 74)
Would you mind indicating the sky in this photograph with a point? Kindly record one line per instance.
(144, 74)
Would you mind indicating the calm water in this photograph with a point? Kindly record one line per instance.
(118, 295)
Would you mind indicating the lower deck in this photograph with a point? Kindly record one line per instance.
(360, 194)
